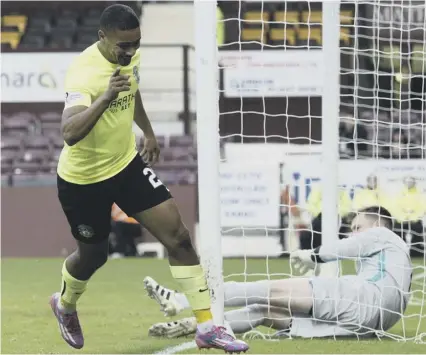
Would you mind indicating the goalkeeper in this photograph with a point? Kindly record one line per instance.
(370, 302)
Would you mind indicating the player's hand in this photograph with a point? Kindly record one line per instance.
(301, 260)
(117, 84)
(151, 151)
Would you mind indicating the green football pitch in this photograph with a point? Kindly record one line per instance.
(115, 312)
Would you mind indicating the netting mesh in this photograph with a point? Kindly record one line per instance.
(270, 92)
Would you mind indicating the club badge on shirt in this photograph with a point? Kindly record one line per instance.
(136, 74)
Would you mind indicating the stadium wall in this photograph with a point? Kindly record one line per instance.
(33, 224)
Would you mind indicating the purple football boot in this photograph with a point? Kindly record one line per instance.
(69, 324)
(218, 338)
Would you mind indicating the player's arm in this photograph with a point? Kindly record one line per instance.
(81, 115)
(361, 245)
(151, 150)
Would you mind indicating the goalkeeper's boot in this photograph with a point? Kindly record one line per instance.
(180, 328)
(218, 338)
(164, 297)
(69, 324)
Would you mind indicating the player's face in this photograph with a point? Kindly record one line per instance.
(122, 45)
(361, 223)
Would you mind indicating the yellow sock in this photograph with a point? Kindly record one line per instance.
(193, 284)
(72, 289)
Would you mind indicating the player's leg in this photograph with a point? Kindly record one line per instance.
(145, 198)
(294, 295)
(87, 211)
(240, 320)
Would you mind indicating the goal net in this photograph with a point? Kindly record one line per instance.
(316, 120)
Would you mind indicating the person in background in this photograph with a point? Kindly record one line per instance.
(312, 238)
(125, 230)
(353, 136)
(371, 195)
(409, 209)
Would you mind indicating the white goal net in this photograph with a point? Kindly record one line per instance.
(298, 149)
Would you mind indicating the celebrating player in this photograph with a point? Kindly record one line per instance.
(371, 301)
(99, 166)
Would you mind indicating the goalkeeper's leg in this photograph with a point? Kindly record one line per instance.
(294, 295)
(240, 320)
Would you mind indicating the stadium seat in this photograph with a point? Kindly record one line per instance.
(65, 25)
(27, 167)
(90, 21)
(7, 158)
(5, 47)
(280, 35)
(253, 35)
(18, 126)
(38, 143)
(55, 155)
(57, 142)
(11, 38)
(287, 17)
(181, 141)
(40, 20)
(50, 116)
(32, 42)
(12, 144)
(19, 21)
(312, 17)
(59, 42)
(51, 129)
(309, 36)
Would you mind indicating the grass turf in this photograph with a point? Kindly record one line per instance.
(116, 314)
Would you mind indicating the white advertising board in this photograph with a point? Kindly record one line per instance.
(34, 77)
(272, 73)
(250, 194)
(302, 167)
(39, 77)
(300, 173)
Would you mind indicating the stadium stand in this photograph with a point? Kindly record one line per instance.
(31, 134)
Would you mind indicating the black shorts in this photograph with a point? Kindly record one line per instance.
(88, 207)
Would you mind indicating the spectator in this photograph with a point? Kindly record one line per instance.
(369, 196)
(312, 238)
(125, 229)
(409, 209)
(353, 137)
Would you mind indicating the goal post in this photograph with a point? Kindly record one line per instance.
(207, 109)
(330, 127)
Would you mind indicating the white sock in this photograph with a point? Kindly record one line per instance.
(183, 301)
(239, 294)
(205, 326)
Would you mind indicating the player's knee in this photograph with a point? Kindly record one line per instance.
(92, 256)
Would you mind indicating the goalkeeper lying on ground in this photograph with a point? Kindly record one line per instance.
(371, 301)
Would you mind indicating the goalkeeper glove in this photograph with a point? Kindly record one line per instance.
(302, 261)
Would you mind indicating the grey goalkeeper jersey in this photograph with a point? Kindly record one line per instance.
(382, 258)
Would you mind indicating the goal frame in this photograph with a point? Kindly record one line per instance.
(207, 113)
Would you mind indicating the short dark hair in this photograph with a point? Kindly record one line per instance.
(380, 213)
(118, 17)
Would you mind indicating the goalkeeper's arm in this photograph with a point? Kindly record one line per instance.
(357, 246)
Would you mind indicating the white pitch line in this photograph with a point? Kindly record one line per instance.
(177, 348)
